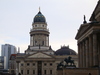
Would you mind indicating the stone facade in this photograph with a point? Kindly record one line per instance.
(78, 71)
(89, 44)
(12, 64)
(39, 58)
(33, 65)
(88, 41)
(40, 63)
(96, 13)
(88, 37)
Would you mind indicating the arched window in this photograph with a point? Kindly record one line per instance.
(43, 25)
(35, 25)
(36, 43)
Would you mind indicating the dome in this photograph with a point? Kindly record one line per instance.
(39, 18)
(65, 50)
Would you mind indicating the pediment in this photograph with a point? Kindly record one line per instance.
(96, 12)
(39, 55)
(82, 30)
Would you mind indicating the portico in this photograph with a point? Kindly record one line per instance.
(89, 44)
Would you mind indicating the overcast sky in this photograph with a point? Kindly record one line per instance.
(63, 17)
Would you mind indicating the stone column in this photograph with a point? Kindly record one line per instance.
(17, 68)
(31, 41)
(99, 49)
(87, 53)
(79, 53)
(95, 50)
(83, 51)
(90, 51)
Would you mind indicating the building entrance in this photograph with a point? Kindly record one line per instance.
(39, 65)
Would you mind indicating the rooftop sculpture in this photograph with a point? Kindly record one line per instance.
(69, 63)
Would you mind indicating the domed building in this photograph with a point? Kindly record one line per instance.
(39, 58)
(65, 50)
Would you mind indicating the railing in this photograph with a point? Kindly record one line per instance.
(39, 29)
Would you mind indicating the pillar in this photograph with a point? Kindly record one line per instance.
(81, 56)
(90, 51)
(99, 49)
(95, 50)
(87, 53)
(17, 68)
(79, 53)
(83, 51)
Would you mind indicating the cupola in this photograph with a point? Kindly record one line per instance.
(39, 18)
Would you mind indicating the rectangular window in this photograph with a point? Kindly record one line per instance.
(21, 71)
(33, 71)
(42, 43)
(50, 64)
(27, 71)
(33, 64)
(28, 64)
(35, 25)
(45, 64)
(22, 64)
(44, 71)
(50, 71)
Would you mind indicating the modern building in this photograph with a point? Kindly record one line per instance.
(6, 51)
(40, 58)
(2, 63)
(3, 69)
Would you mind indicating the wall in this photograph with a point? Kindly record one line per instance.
(78, 71)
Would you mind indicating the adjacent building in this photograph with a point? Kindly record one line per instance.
(88, 40)
(6, 51)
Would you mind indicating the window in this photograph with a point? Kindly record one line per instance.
(21, 71)
(33, 71)
(27, 71)
(28, 64)
(22, 64)
(45, 64)
(50, 71)
(42, 43)
(35, 42)
(50, 64)
(44, 71)
(43, 25)
(35, 25)
(33, 64)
